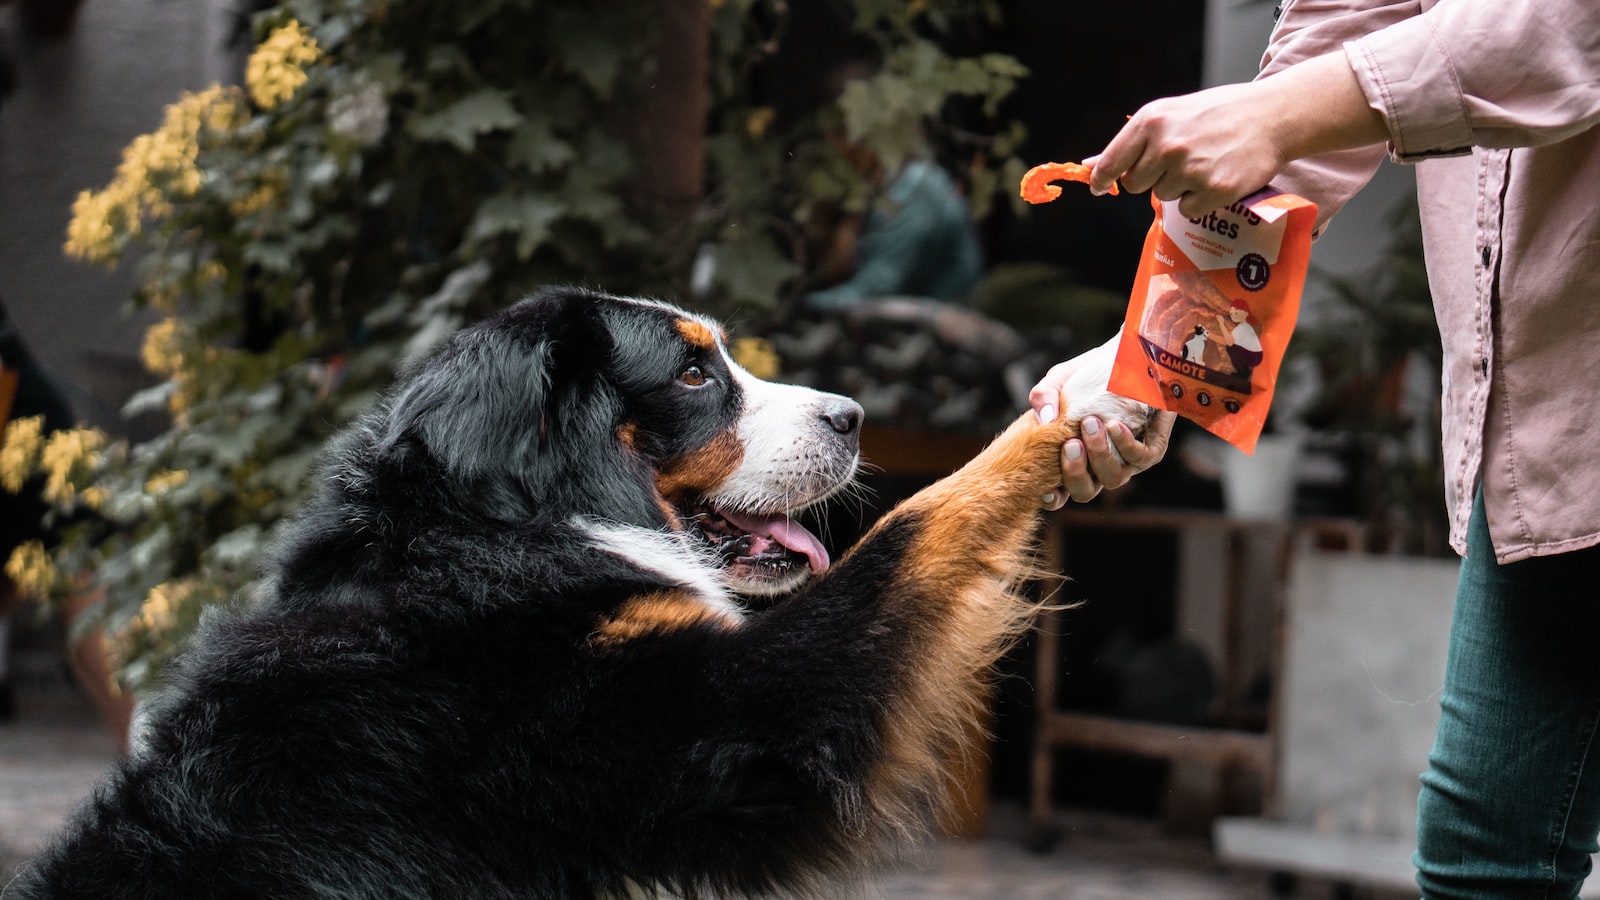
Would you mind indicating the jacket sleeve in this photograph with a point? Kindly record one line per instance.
(1483, 73)
(1457, 75)
(1311, 28)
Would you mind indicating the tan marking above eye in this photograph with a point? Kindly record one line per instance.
(697, 333)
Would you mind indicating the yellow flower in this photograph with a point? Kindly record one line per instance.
(156, 611)
(757, 355)
(161, 353)
(219, 108)
(19, 451)
(94, 496)
(172, 150)
(155, 169)
(759, 120)
(186, 394)
(163, 604)
(165, 481)
(277, 68)
(69, 456)
(32, 570)
(262, 197)
(213, 271)
(97, 218)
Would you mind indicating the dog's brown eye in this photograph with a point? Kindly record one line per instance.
(693, 376)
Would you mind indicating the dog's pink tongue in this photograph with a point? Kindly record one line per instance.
(785, 531)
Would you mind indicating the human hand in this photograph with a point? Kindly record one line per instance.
(1213, 147)
(1205, 150)
(1105, 456)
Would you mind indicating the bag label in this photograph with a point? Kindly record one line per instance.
(1213, 306)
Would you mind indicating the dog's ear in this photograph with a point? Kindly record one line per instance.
(477, 404)
(517, 412)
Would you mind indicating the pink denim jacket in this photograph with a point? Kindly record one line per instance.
(1498, 104)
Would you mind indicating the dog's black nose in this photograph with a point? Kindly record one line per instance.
(844, 416)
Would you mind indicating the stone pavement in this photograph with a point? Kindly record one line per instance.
(55, 749)
(49, 756)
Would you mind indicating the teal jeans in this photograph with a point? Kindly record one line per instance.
(1510, 803)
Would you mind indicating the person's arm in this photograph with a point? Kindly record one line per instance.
(1419, 84)
(1212, 147)
(1306, 30)
(1483, 73)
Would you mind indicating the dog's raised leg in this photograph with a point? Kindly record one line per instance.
(855, 695)
(956, 553)
(804, 743)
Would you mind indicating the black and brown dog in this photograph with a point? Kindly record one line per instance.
(548, 629)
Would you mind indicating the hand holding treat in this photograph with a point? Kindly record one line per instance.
(1210, 148)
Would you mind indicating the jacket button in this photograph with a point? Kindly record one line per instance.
(1486, 256)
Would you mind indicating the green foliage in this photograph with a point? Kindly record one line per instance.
(396, 169)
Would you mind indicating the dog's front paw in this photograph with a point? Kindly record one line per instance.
(1027, 457)
(1084, 394)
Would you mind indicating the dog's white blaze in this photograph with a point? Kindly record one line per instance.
(666, 554)
(790, 453)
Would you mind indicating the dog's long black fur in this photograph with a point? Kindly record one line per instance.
(433, 699)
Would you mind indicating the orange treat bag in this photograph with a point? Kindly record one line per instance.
(1213, 306)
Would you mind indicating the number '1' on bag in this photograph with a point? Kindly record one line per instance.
(1213, 306)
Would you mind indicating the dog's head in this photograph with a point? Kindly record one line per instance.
(630, 414)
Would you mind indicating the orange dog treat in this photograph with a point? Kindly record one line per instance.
(1036, 186)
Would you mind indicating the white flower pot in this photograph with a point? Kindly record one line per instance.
(1262, 486)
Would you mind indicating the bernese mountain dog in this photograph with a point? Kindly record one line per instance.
(549, 629)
